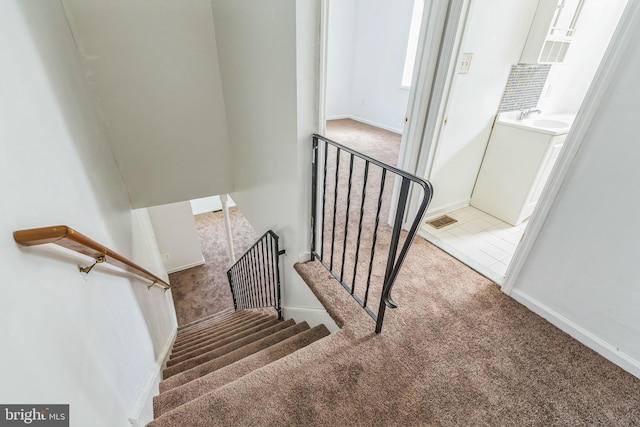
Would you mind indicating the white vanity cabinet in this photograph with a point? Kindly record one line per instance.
(515, 168)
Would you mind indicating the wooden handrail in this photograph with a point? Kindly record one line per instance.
(69, 238)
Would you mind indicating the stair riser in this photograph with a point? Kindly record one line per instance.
(218, 331)
(220, 316)
(209, 339)
(211, 322)
(210, 326)
(193, 362)
(204, 326)
(222, 342)
(219, 327)
(180, 395)
(213, 365)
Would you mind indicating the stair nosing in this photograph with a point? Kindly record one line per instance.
(303, 325)
(216, 337)
(231, 338)
(207, 325)
(300, 341)
(168, 372)
(221, 314)
(213, 332)
(216, 327)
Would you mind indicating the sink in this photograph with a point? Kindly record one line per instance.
(548, 123)
(553, 124)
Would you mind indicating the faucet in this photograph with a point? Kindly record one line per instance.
(526, 112)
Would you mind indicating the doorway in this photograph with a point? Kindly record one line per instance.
(485, 60)
(367, 70)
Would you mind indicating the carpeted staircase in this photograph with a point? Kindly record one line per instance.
(214, 351)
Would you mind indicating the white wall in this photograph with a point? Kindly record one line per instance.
(366, 53)
(177, 237)
(154, 69)
(299, 302)
(582, 272)
(568, 82)
(341, 43)
(475, 97)
(92, 344)
(269, 85)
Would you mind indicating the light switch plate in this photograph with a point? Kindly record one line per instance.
(465, 63)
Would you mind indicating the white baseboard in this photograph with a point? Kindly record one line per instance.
(338, 117)
(586, 337)
(378, 125)
(304, 256)
(141, 412)
(368, 122)
(432, 213)
(313, 316)
(184, 267)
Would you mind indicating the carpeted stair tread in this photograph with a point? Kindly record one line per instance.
(229, 358)
(212, 321)
(217, 334)
(220, 314)
(209, 321)
(213, 328)
(215, 316)
(220, 351)
(219, 328)
(175, 397)
(222, 341)
(209, 326)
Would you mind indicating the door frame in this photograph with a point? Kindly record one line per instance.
(437, 53)
(426, 107)
(322, 66)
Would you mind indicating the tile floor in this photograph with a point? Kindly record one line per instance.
(481, 241)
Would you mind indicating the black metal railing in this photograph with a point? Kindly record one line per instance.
(350, 191)
(255, 278)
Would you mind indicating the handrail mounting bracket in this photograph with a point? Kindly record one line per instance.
(87, 269)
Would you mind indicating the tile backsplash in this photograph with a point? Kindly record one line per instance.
(524, 86)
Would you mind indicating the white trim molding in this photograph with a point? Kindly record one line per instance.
(137, 416)
(586, 337)
(313, 316)
(367, 122)
(322, 67)
(186, 266)
(304, 256)
(376, 124)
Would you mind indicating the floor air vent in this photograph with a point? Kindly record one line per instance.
(442, 221)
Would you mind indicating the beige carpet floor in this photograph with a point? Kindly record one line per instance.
(202, 291)
(456, 352)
